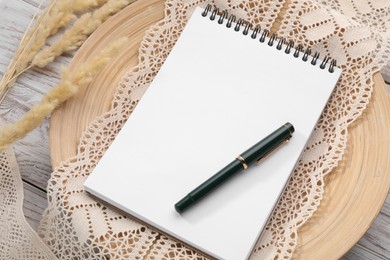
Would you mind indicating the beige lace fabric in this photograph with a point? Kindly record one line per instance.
(77, 226)
(17, 239)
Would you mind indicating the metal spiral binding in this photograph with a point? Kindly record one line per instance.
(281, 41)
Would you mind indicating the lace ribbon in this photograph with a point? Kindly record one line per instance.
(75, 225)
(17, 239)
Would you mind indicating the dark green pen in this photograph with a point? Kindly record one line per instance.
(254, 154)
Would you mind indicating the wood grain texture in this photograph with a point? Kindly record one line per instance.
(355, 191)
(32, 151)
(376, 239)
(96, 98)
(33, 154)
(359, 252)
(35, 203)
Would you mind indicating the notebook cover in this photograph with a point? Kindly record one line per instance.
(218, 93)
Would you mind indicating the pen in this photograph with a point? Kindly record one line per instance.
(254, 154)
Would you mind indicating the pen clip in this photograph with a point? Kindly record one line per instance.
(258, 161)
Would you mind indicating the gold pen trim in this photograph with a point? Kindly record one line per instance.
(258, 161)
(242, 160)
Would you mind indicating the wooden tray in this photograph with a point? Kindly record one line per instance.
(354, 192)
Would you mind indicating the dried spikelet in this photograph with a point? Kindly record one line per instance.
(81, 5)
(69, 85)
(32, 30)
(69, 40)
(26, 39)
(59, 16)
(55, 16)
(111, 7)
(79, 32)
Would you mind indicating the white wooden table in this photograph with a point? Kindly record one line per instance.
(32, 152)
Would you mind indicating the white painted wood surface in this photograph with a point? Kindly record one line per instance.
(32, 152)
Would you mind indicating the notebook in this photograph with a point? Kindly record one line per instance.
(219, 92)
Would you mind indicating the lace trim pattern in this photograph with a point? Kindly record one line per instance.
(17, 239)
(77, 226)
(309, 24)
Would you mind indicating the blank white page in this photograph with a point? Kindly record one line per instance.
(217, 94)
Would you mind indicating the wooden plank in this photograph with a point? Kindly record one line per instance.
(32, 152)
(332, 222)
(386, 206)
(375, 244)
(359, 252)
(377, 237)
(34, 204)
(35, 3)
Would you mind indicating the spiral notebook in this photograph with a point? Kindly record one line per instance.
(224, 86)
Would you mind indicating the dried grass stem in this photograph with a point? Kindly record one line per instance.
(69, 85)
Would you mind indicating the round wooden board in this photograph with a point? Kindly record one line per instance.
(354, 191)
